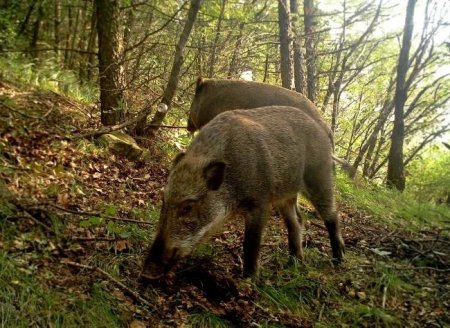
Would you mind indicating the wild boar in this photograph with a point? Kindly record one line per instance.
(214, 96)
(244, 162)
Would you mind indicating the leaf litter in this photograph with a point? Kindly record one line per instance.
(40, 167)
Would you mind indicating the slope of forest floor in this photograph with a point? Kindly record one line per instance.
(76, 220)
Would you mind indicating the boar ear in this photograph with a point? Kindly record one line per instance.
(177, 159)
(200, 84)
(214, 173)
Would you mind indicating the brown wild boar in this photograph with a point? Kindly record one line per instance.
(214, 96)
(243, 162)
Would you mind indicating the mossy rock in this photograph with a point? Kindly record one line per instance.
(122, 144)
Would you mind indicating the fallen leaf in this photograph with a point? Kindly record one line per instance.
(121, 245)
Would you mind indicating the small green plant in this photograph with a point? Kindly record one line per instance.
(207, 320)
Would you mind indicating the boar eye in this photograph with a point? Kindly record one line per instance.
(185, 208)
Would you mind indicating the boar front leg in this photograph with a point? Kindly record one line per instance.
(294, 224)
(255, 221)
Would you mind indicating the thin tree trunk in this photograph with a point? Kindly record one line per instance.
(171, 88)
(212, 61)
(83, 39)
(285, 44)
(232, 70)
(266, 67)
(395, 173)
(23, 26)
(90, 63)
(110, 56)
(36, 30)
(299, 75)
(308, 8)
(74, 34)
(68, 34)
(56, 28)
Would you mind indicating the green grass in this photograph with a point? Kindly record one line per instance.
(28, 294)
(360, 315)
(25, 301)
(390, 207)
(207, 320)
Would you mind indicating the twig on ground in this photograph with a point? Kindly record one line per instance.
(133, 293)
(32, 218)
(14, 167)
(71, 103)
(29, 215)
(83, 213)
(321, 312)
(89, 239)
(144, 113)
(388, 235)
(383, 302)
(19, 112)
(421, 268)
(47, 113)
(317, 225)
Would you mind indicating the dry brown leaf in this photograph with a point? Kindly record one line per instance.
(121, 245)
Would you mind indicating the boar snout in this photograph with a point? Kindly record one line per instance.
(159, 261)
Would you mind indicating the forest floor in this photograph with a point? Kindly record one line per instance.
(76, 220)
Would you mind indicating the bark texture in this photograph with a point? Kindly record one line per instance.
(110, 56)
(395, 174)
(310, 58)
(285, 40)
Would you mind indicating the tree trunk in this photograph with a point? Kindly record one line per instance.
(395, 174)
(36, 29)
(266, 67)
(23, 26)
(299, 75)
(110, 56)
(232, 70)
(74, 34)
(90, 63)
(169, 92)
(212, 61)
(56, 27)
(310, 58)
(285, 44)
(68, 34)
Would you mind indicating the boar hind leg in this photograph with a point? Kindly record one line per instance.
(322, 197)
(255, 221)
(294, 224)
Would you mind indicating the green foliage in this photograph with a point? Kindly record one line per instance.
(8, 26)
(46, 75)
(428, 178)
